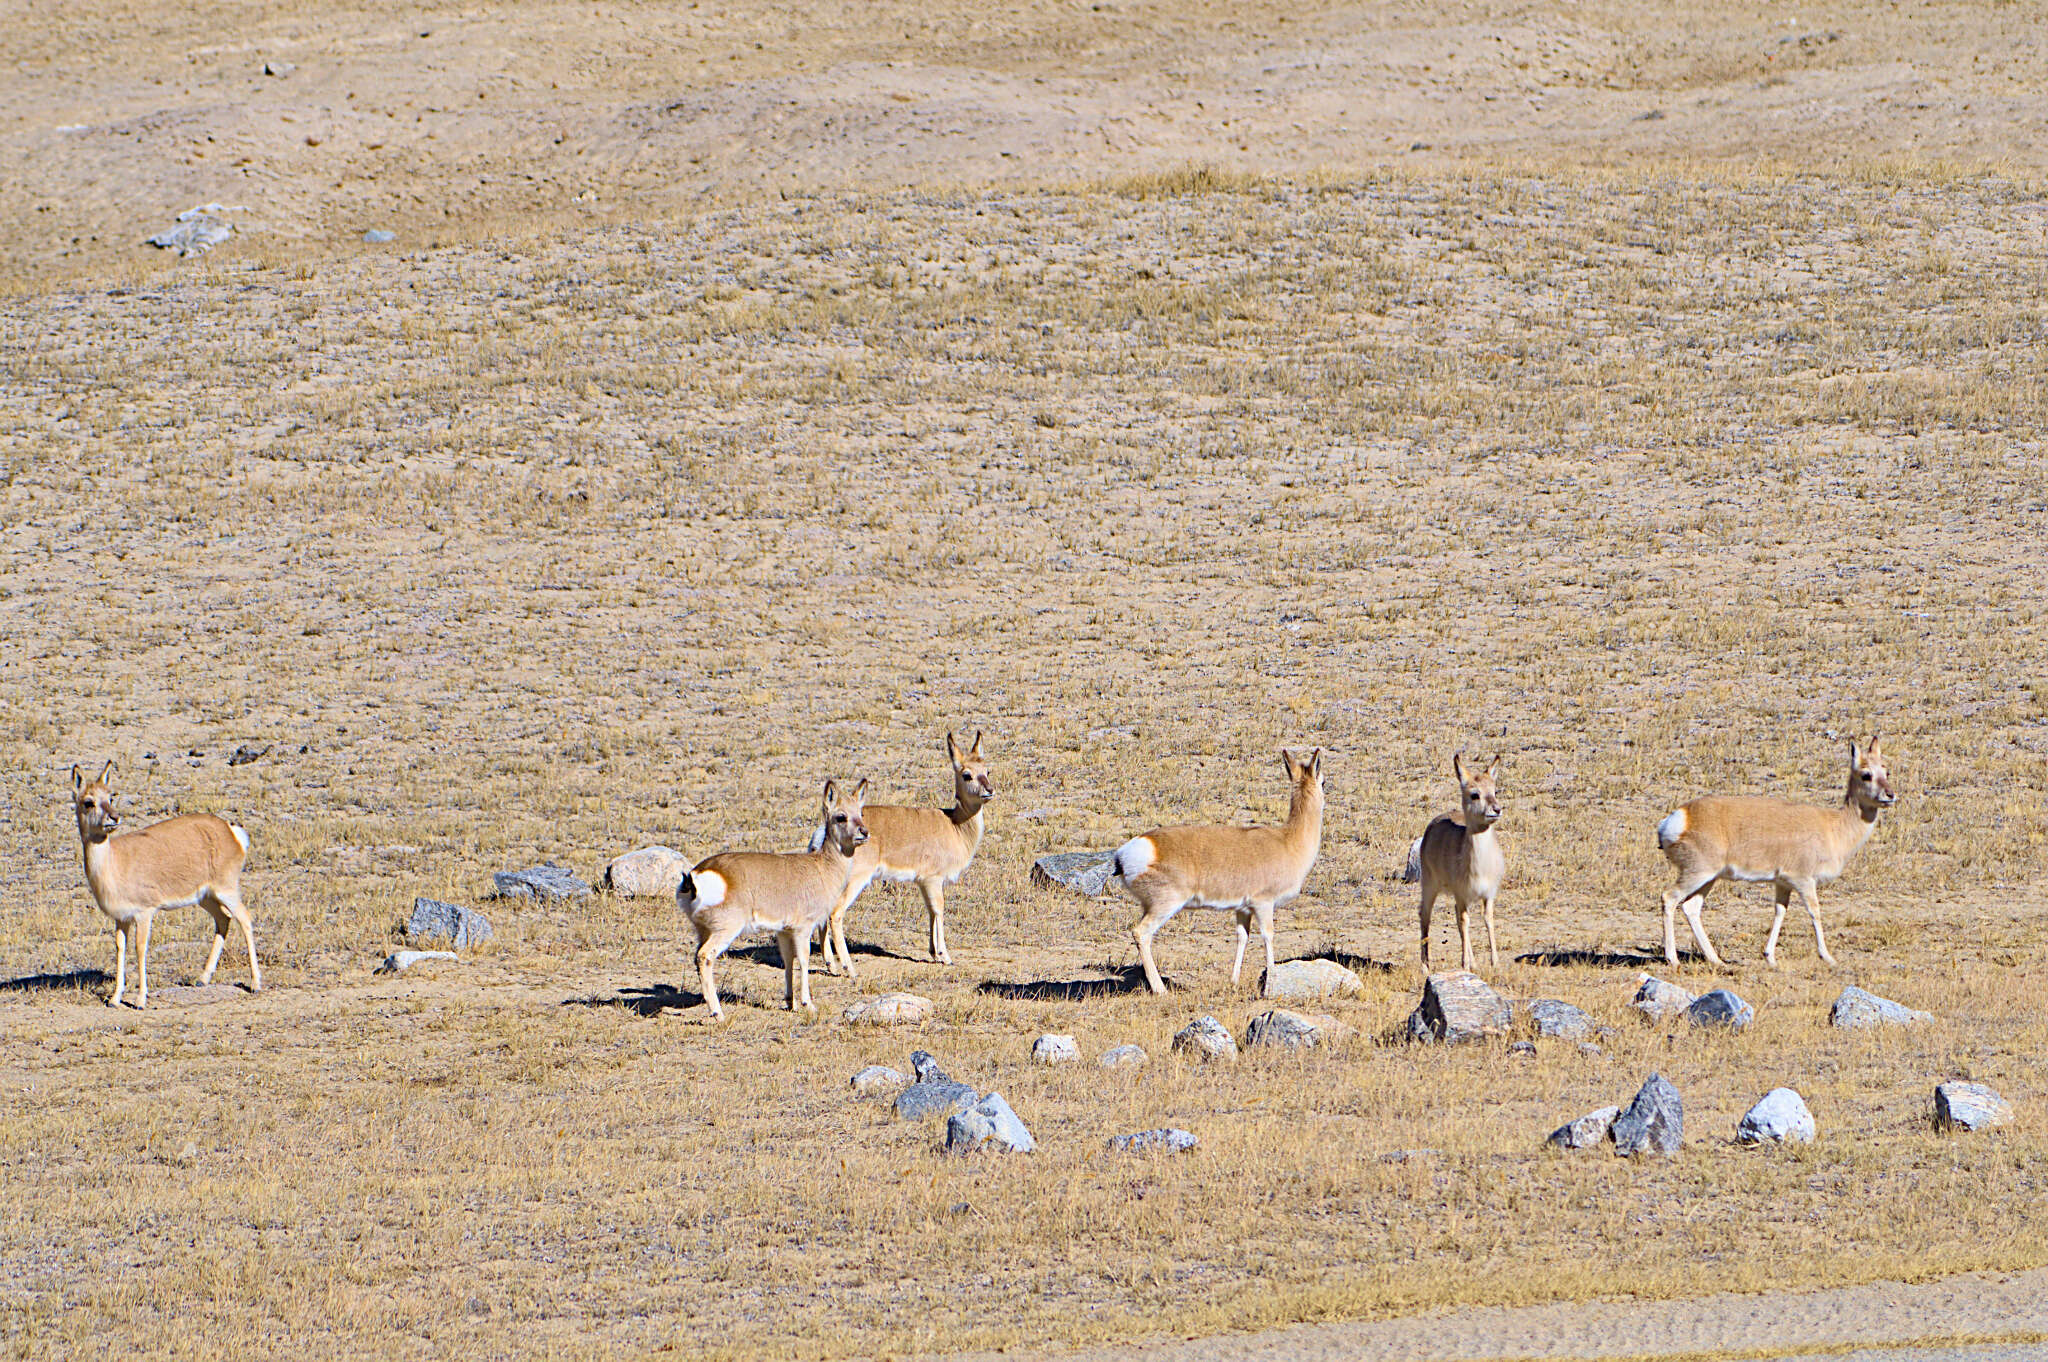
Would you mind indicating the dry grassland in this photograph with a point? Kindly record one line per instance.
(548, 549)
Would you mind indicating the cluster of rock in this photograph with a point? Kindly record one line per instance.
(1658, 1001)
(1053, 1049)
(981, 1121)
(1654, 1123)
(434, 920)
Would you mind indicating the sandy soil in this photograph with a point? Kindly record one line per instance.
(439, 120)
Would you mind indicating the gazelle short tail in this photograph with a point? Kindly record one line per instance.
(1671, 828)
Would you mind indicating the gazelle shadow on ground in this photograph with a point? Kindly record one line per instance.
(1607, 959)
(1128, 979)
(85, 978)
(649, 1000)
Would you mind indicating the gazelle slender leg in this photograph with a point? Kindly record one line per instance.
(934, 892)
(220, 940)
(837, 941)
(1691, 907)
(1243, 920)
(120, 963)
(232, 901)
(1784, 896)
(1492, 946)
(1264, 913)
(142, 926)
(1428, 906)
(711, 945)
(803, 969)
(1464, 934)
(1147, 927)
(1684, 893)
(1811, 894)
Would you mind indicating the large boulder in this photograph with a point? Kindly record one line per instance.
(1051, 1049)
(1087, 872)
(1781, 1115)
(431, 918)
(539, 882)
(930, 1097)
(1205, 1039)
(1969, 1106)
(1657, 1000)
(1556, 1020)
(1587, 1131)
(1294, 1030)
(1309, 981)
(1720, 1008)
(1855, 1008)
(1654, 1123)
(1166, 1140)
(988, 1122)
(1457, 1007)
(649, 873)
(889, 1009)
(1124, 1057)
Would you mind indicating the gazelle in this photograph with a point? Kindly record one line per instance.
(1464, 860)
(1796, 847)
(193, 859)
(931, 846)
(1246, 871)
(786, 893)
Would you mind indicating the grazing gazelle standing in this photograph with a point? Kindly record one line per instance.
(1248, 871)
(1795, 847)
(1463, 859)
(192, 859)
(786, 893)
(931, 846)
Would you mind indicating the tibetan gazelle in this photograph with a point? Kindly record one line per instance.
(930, 846)
(1247, 871)
(193, 859)
(1795, 847)
(1463, 859)
(786, 893)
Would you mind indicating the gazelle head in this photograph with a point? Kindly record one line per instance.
(845, 829)
(1478, 794)
(1304, 773)
(1870, 785)
(970, 772)
(94, 804)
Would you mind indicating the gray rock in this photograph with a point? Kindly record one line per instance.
(1087, 872)
(1969, 1106)
(433, 918)
(1523, 1049)
(1657, 1000)
(649, 873)
(1587, 1131)
(1051, 1049)
(1165, 1140)
(197, 231)
(1720, 1008)
(539, 882)
(398, 962)
(1590, 1050)
(1780, 1116)
(1555, 1020)
(877, 1079)
(1294, 1030)
(924, 1068)
(1123, 1057)
(377, 236)
(1457, 1007)
(989, 1121)
(934, 1097)
(1309, 981)
(1856, 1008)
(890, 1009)
(1205, 1039)
(247, 753)
(1654, 1122)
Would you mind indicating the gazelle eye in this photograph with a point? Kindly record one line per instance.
(839, 818)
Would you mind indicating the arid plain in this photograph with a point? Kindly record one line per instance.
(1659, 456)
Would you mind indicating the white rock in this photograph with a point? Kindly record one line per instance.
(1780, 1116)
(890, 1009)
(649, 873)
(1309, 981)
(1051, 1049)
(1123, 1057)
(398, 962)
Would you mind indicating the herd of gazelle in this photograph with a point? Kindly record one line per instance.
(1248, 872)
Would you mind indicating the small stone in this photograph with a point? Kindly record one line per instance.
(1590, 1050)
(1206, 1039)
(539, 882)
(649, 873)
(1657, 1000)
(433, 918)
(189, 1153)
(1780, 1116)
(377, 236)
(989, 1121)
(1587, 1131)
(1165, 1140)
(924, 1068)
(398, 962)
(1720, 1008)
(245, 754)
(1855, 1008)
(1051, 1049)
(1458, 1007)
(1555, 1020)
(890, 1009)
(877, 1079)
(1523, 1049)
(936, 1097)
(278, 68)
(1653, 1123)
(1294, 1030)
(1309, 981)
(1123, 1057)
(1088, 872)
(1969, 1106)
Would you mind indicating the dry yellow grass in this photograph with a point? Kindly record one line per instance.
(551, 549)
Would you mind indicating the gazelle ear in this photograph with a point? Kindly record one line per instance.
(860, 792)
(1855, 752)
(77, 780)
(1493, 766)
(1876, 749)
(1458, 766)
(1287, 763)
(107, 771)
(1315, 763)
(952, 750)
(975, 751)
(831, 791)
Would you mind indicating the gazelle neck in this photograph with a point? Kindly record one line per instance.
(966, 812)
